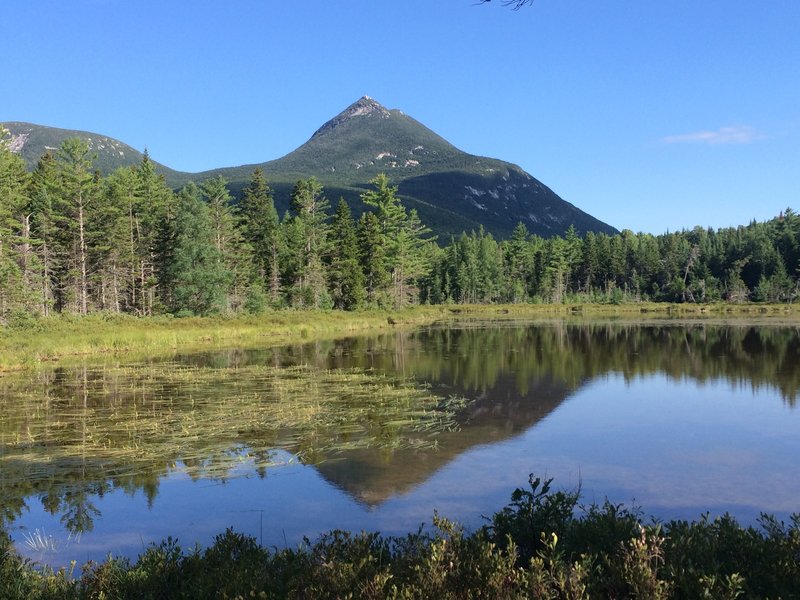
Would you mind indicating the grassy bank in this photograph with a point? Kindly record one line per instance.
(540, 546)
(33, 341)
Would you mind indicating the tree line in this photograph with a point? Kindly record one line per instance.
(72, 241)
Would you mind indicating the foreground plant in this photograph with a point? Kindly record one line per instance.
(539, 546)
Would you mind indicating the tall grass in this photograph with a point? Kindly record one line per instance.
(63, 337)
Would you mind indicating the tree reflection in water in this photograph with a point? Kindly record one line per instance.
(392, 409)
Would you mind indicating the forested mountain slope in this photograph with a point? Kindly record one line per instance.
(451, 190)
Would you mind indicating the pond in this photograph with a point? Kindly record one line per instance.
(377, 433)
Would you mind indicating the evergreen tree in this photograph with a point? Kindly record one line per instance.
(76, 192)
(467, 269)
(260, 228)
(114, 250)
(235, 255)
(518, 264)
(490, 259)
(291, 258)
(406, 245)
(196, 271)
(15, 237)
(42, 192)
(345, 276)
(372, 254)
(310, 236)
(150, 221)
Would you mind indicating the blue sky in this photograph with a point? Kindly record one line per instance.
(651, 116)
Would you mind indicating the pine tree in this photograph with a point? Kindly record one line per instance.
(234, 253)
(260, 227)
(43, 230)
(291, 258)
(113, 249)
(15, 237)
(345, 276)
(466, 269)
(518, 264)
(490, 260)
(150, 220)
(406, 245)
(196, 270)
(76, 192)
(372, 255)
(310, 214)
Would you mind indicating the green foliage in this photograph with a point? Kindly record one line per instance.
(196, 270)
(306, 244)
(400, 240)
(533, 515)
(236, 259)
(602, 553)
(260, 229)
(372, 255)
(72, 241)
(346, 277)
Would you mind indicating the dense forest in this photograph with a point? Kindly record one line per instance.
(72, 241)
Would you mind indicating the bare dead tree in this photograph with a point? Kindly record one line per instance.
(516, 4)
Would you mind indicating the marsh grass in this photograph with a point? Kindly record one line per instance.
(142, 421)
(108, 335)
(39, 541)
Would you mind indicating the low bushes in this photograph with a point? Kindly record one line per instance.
(542, 545)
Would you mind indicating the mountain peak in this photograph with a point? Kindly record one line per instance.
(363, 107)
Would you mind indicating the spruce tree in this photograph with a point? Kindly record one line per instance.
(404, 238)
(345, 275)
(149, 221)
(15, 237)
(233, 251)
(372, 254)
(260, 228)
(518, 264)
(76, 193)
(43, 229)
(197, 274)
(113, 251)
(310, 214)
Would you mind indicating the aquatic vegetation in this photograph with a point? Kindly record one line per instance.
(73, 433)
(39, 541)
(69, 434)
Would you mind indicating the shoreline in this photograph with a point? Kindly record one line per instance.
(64, 338)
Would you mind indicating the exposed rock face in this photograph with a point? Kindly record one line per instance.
(363, 107)
(17, 142)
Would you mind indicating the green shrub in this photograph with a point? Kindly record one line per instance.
(539, 546)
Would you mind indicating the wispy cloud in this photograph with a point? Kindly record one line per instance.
(723, 135)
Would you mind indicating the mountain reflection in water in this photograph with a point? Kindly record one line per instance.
(376, 416)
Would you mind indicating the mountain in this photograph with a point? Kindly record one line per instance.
(373, 476)
(453, 191)
(32, 141)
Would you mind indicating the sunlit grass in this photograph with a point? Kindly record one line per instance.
(106, 336)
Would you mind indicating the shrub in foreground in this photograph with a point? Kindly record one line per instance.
(542, 545)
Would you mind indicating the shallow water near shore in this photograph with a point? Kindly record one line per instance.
(378, 432)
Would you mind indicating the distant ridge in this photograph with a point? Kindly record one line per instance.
(453, 191)
(32, 141)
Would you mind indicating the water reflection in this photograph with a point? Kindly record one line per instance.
(375, 415)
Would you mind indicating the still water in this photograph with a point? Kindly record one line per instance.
(378, 432)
